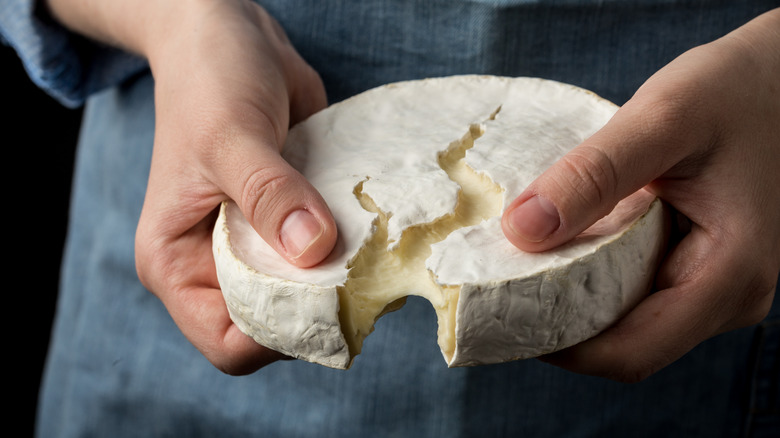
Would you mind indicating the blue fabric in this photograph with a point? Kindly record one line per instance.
(67, 66)
(118, 366)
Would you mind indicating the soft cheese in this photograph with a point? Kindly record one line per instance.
(417, 175)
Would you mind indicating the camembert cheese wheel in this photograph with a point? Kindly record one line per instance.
(417, 175)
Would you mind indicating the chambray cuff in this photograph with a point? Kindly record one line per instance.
(65, 65)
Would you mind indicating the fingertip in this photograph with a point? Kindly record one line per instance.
(307, 238)
(530, 221)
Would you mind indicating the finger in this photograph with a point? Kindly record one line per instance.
(186, 283)
(671, 322)
(640, 344)
(205, 321)
(282, 206)
(643, 140)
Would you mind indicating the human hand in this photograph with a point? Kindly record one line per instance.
(227, 87)
(228, 84)
(703, 134)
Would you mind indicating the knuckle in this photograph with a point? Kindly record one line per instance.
(148, 265)
(631, 376)
(152, 258)
(591, 175)
(757, 301)
(756, 314)
(236, 368)
(143, 257)
(242, 364)
(635, 370)
(748, 287)
(230, 368)
(264, 194)
(666, 111)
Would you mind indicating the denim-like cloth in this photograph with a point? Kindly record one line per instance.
(67, 66)
(119, 367)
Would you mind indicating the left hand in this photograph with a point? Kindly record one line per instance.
(703, 134)
(228, 84)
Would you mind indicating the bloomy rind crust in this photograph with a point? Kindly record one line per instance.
(551, 310)
(269, 309)
(299, 316)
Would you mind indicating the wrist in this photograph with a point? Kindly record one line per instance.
(142, 28)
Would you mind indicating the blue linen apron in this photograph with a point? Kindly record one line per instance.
(119, 366)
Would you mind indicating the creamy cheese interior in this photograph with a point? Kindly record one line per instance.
(380, 278)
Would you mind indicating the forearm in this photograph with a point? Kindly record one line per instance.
(117, 23)
(141, 27)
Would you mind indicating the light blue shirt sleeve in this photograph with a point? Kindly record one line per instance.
(67, 66)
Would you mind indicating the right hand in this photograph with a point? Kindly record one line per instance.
(703, 135)
(228, 84)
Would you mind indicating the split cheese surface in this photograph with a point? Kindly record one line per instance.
(417, 175)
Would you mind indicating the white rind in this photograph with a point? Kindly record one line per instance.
(512, 304)
(579, 295)
(272, 311)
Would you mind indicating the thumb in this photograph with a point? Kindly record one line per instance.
(586, 184)
(279, 203)
(284, 208)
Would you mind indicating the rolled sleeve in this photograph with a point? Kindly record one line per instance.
(64, 64)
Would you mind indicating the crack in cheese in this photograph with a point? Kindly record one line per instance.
(380, 278)
(418, 206)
